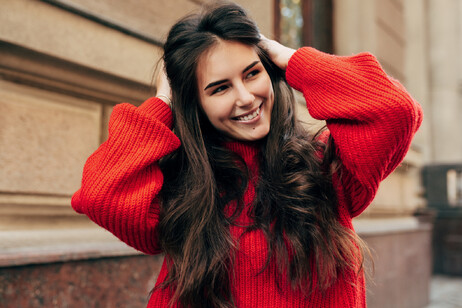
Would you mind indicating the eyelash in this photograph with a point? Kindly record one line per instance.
(219, 89)
(254, 72)
(224, 87)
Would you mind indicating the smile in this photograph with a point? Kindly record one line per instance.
(249, 117)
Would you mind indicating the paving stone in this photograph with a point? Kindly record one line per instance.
(445, 292)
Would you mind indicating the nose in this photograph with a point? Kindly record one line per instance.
(244, 96)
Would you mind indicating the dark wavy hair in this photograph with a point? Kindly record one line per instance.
(295, 205)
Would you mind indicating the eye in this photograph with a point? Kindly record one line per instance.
(253, 73)
(219, 89)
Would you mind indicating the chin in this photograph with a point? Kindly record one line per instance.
(258, 134)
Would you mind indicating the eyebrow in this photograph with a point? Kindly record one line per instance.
(215, 83)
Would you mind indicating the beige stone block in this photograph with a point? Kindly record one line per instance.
(51, 30)
(391, 37)
(390, 52)
(354, 26)
(413, 190)
(417, 68)
(444, 44)
(390, 15)
(445, 112)
(45, 139)
(390, 196)
(107, 110)
(150, 18)
(445, 115)
(153, 20)
(346, 23)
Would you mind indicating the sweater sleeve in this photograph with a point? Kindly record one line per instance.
(370, 116)
(122, 179)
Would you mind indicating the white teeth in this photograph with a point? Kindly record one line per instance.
(250, 116)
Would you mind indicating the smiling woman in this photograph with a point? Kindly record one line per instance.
(248, 207)
(239, 104)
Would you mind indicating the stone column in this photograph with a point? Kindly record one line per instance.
(417, 68)
(445, 112)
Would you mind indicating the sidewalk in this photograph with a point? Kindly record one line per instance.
(445, 292)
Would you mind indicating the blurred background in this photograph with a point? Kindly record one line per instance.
(64, 64)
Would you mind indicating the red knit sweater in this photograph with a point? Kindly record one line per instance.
(370, 116)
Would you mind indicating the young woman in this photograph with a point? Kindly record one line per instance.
(216, 172)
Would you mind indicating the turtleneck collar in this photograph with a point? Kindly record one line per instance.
(247, 150)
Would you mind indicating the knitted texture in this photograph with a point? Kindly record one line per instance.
(370, 116)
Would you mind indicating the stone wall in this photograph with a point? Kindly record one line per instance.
(65, 64)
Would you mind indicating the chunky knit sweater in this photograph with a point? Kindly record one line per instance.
(370, 116)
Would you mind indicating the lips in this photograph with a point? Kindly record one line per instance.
(249, 116)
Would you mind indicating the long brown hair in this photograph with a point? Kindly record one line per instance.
(295, 205)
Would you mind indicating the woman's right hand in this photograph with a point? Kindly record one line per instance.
(164, 92)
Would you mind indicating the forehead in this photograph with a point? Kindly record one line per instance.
(224, 60)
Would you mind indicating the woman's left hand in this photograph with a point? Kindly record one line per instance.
(164, 92)
(278, 53)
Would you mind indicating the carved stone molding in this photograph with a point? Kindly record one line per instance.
(26, 66)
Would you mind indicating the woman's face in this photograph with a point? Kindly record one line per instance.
(235, 91)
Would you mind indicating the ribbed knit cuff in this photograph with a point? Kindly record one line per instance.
(157, 109)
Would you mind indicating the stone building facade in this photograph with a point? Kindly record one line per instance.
(64, 64)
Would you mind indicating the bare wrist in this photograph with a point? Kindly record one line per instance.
(165, 98)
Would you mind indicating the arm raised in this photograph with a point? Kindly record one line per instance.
(371, 117)
(121, 179)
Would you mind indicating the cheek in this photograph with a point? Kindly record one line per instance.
(217, 112)
(264, 88)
